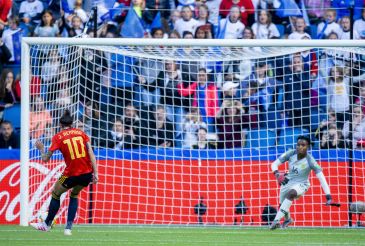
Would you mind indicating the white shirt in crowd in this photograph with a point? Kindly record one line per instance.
(333, 27)
(232, 30)
(339, 98)
(181, 26)
(346, 35)
(265, 31)
(297, 35)
(8, 41)
(359, 27)
(31, 9)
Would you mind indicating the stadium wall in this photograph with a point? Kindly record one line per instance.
(151, 189)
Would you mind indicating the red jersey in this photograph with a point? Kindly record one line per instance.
(72, 144)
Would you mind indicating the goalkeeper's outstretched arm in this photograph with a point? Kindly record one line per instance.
(325, 187)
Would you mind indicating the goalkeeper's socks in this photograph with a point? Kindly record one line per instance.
(284, 209)
(71, 213)
(52, 211)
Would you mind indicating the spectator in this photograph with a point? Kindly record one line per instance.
(248, 33)
(47, 27)
(231, 124)
(316, 9)
(231, 27)
(8, 38)
(5, 7)
(246, 8)
(203, 21)
(168, 79)
(229, 89)
(203, 142)
(359, 25)
(39, 118)
(119, 137)
(30, 12)
(77, 11)
(157, 130)
(192, 124)
(5, 54)
(187, 22)
(346, 27)
(74, 30)
(324, 124)
(174, 34)
(264, 28)
(93, 123)
(175, 15)
(155, 6)
(332, 36)
(121, 79)
(93, 66)
(9, 90)
(297, 93)
(49, 74)
(132, 122)
(147, 71)
(205, 97)
(357, 134)
(299, 32)
(338, 93)
(332, 138)
(8, 138)
(203, 32)
(157, 33)
(329, 25)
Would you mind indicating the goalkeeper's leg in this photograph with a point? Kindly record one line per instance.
(284, 208)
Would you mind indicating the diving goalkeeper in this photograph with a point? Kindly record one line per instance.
(296, 183)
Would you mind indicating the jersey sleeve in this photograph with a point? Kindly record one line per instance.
(286, 156)
(85, 137)
(313, 164)
(55, 144)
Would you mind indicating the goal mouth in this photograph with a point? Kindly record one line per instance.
(185, 126)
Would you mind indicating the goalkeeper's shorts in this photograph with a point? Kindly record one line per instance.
(300, 188)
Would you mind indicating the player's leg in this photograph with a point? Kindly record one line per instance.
(72, 206)
(287, 218)
(80, 182)
(284, 208)
(54, 205)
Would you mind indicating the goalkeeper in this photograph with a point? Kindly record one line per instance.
(296, 183)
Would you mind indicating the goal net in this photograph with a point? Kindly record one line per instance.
(184, 131)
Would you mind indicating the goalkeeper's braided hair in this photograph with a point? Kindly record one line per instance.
(66, 119)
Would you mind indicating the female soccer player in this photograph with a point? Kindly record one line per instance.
(296, 183)
(80, 170)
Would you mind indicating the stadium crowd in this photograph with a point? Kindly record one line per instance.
(186, 104)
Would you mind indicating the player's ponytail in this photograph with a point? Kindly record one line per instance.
(66, 119)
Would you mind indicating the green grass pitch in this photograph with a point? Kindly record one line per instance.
(161, 235)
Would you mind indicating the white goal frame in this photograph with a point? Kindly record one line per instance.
(25, 79)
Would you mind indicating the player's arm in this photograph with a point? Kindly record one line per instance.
(45, 156)
(93, 161)
(318, 170)
(281, 178)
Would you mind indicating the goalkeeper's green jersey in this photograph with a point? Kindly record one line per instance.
(299, 170)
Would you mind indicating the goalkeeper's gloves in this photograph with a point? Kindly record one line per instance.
(281, 178)
(329, 199)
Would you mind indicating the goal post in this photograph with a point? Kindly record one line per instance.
(153, 176)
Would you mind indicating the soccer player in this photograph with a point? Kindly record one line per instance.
(296, 183)
(80, 170)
